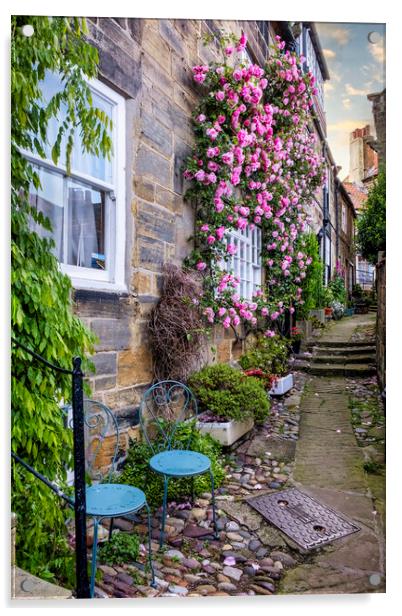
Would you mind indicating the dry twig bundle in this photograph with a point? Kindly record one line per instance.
(177, 329)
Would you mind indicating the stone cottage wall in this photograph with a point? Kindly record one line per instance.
(149, 62)
(381, 320)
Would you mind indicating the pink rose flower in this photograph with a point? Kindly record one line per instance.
(226, 322)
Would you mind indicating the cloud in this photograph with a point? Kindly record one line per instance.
(329, 54)
(346, 102)
(344, 127)
(377, 51)
(335, 72)
(352, 91)
(336, 32)
(375, 75)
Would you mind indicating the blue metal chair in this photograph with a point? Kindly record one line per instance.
(105, 499)
(163, 407)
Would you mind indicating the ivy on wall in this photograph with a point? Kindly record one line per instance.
(255, 162)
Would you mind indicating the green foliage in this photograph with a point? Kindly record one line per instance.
(337, 288)
(371, 227)
(41, 306)
(312, 284)
(137, 472)
(328, 296)
(373, 468)
(122, 548)
(228, 393)
(268, 354)
(357, 291)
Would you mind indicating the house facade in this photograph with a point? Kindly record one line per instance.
(346, 217)
(116, 223)
(363, 170)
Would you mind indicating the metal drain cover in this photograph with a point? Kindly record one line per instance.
(306, 521)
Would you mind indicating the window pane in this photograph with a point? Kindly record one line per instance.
(82, 162)
(50, 86)
(86, 226)
(49, 200)
(89, 164)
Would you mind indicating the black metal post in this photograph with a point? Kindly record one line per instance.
(81, 563)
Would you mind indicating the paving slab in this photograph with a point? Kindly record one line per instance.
(329, 467)
(27, 586)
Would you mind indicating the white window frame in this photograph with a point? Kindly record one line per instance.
(252, 242)
(245, 56)
(113, 278)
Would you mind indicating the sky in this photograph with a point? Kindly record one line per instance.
(355, 55)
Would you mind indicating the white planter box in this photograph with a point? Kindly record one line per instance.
(318, 314)
(228, 432)
(282, 385)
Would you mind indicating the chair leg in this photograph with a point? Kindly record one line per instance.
(165, 491)
(216, 535)
(153, 583)
(94, 554)
(111, 528)
(192, 490)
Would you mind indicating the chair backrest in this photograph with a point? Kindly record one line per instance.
(164, 406)
(101, 433)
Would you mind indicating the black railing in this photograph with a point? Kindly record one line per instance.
(79, 502)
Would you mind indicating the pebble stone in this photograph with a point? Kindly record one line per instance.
(193, 561)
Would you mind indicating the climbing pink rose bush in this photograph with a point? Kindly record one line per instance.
(255, 162)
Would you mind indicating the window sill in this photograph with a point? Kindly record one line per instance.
(98, 285)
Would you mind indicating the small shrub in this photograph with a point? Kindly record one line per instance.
(338, 290)
(373, 468)
(312, 285)
(268, 354)
(122, 548)
(137, 472)
(228, 393)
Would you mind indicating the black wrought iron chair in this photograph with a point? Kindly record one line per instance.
(103, 498)
(163, 407)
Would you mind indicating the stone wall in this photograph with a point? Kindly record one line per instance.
(149, 62)
(381, 321)
(346, 235)
(378, 100)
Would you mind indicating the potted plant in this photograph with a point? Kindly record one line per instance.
(271, 356)
(328, 298)
(230, 402)
(296, 337)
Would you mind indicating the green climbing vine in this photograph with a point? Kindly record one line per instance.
(42, 307)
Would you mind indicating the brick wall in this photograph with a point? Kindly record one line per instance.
(149, 62)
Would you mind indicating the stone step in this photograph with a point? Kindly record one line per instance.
(342, 369)
(345, 350)
(340, 344)
(367, 358)
(24, 585)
